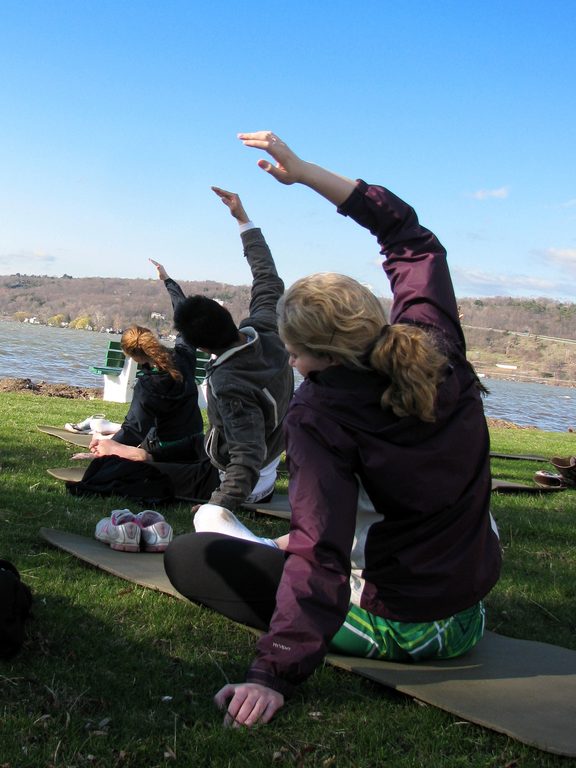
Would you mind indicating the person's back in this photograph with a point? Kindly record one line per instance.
(249, 381)
(422, 490)
(164, 408)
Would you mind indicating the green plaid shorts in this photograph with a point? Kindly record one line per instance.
(368, 636)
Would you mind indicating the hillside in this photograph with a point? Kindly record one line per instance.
(533, 338)
(105, 303)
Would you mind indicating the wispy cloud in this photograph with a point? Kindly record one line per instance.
(563, 257)
(485, 194)
(26, 261)
(569, 203)
(475, 282)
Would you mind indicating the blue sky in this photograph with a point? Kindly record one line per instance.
(118, 116)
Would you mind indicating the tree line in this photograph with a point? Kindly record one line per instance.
(497, 329)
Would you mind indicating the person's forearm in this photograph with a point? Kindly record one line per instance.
(330, 185)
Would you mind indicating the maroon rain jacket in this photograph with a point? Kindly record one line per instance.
(430, 548)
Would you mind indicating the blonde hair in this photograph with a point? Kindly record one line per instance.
(333, 315)
(142, 345)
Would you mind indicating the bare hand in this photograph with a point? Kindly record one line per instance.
(102, 447)
(105, 447)
(162, 274)
(250, 703)
(232, 200)
(288, 166)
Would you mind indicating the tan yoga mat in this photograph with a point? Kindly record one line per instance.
(68, 474)
(505, 486)
(280, 507)
(518, 456)
(143, 568)
(74, 438)
(524, 689)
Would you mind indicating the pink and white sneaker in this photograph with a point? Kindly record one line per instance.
(156, 532)
(121, 531)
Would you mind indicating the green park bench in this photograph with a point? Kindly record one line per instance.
(120, 373)
(115, 360)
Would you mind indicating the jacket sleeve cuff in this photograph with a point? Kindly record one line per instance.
(251, 235)
(256, 675)
(228, 502)
(354, 199)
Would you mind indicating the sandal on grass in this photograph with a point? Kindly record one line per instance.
(567, 468)
(546, 479)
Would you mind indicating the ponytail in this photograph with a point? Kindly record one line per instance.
(415, 368)
(141, 344)
(332, 314)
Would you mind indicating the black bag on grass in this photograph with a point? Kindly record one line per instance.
(15, 603)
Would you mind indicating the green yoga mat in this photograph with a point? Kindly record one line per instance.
(521, 688)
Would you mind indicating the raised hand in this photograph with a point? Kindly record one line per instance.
(288, 168)
(232, 200)
(162, 274)
(250, 703)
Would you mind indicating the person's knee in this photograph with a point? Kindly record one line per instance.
(181, 551)
(211, 517)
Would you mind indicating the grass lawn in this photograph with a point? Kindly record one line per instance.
(116, 675)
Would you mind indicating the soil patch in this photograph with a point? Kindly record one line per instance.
(51, 390)
(96, 393)
(503, 424)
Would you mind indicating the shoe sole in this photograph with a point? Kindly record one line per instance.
(124, 547)
(155, 548)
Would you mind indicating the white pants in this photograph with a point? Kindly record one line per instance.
(265, 484)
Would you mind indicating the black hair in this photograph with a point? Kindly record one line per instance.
(205, 323)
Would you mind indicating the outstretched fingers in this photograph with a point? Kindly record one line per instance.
(258, 139)
(232, 200)
(224, 195)
(250, 704)
(162, 274)
(288, 165)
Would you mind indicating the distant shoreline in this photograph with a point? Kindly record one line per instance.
(528, 379)
(95, 393)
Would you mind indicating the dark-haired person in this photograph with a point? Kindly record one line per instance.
(392, 547)
(249, 380)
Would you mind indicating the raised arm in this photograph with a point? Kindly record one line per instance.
(267, 287)
(290, 169)
(415, 260)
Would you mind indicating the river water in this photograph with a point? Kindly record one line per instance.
(62, 355)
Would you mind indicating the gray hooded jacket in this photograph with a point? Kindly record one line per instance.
(250, 386)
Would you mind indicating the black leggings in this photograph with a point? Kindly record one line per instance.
(237, 578)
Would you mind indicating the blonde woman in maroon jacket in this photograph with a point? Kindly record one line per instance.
(392, 546)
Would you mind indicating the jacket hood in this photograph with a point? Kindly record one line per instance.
(352, 399)
(164, 387)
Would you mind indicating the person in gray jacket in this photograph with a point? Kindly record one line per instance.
(249, 380)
